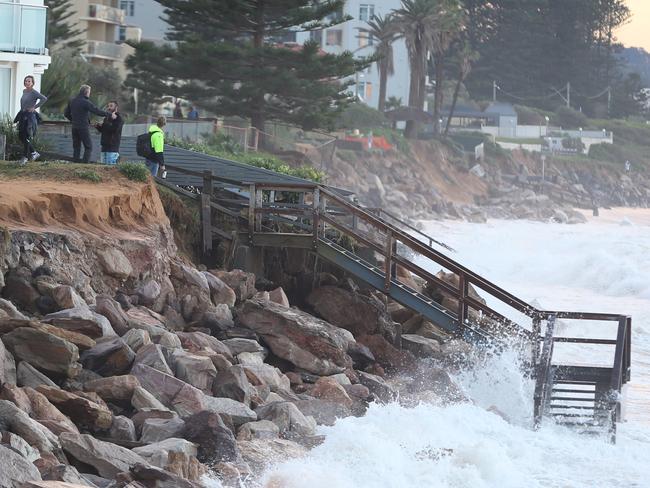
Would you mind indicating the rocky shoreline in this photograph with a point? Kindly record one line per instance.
(123, 365)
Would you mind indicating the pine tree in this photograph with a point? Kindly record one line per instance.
(60, 35)
(225, 58)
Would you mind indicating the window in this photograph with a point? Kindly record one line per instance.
(366, 11)
(364, 90)
(365, 39)
(334, 37)
(316, 36)
(128, 6)
(122, 35)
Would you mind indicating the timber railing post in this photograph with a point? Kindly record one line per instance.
(251, 213)
(388, 261)
(315, 221)
(258, 205)
(206, 211)
(462, 306)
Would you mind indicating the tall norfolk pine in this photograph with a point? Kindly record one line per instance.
(225, 56)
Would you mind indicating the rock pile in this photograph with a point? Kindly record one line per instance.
(126, 367)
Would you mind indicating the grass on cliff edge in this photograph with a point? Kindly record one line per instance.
(62, 171)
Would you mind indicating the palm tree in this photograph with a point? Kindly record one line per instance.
(383, 29)
(416, 21)
(450, 23)
(467, 57)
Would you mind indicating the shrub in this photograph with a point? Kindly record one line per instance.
(87, 174)
(134, 171)
(360, 116)
(259, 159)
(568, 118)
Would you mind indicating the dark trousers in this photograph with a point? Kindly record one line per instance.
(79, 136)
(27, 132)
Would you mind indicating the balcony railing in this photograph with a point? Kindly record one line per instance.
(22, 28)
(105, 50)
(106, 14)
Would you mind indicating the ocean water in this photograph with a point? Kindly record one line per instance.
(602, 267)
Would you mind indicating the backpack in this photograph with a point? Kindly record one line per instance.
(143, 145)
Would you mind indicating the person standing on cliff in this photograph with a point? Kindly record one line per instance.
(111, 131)
(156, 160)
(78, 112)
(28, 118)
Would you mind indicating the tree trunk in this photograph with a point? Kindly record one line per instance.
(437, 101)
(453, 101)
(383, 80)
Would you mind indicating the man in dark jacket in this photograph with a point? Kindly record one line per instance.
(111, 131)
(78, 112)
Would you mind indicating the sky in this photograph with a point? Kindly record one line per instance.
(636, 32)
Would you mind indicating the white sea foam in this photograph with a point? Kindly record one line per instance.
(587, 267)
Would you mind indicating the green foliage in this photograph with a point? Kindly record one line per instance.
(529, 116)
(88, 174)
(14, 148)
(257, 159)
(60, 35)
(361, 116)
(573, 143)
(226, 57)
(567, 118)
(134, 171)
(395, 137)
(530, 46)
(67, 72)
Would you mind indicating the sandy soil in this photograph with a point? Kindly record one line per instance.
(636, 216)
(107, 208)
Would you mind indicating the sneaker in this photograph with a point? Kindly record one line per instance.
(35, 155)
(23, 161)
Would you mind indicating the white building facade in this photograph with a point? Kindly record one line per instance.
(23, 49)
(347, 36)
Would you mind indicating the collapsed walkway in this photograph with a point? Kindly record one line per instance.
(252, 208)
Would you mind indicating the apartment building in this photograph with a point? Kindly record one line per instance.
(145, 15)
(100, 22)
(348, 36)
(23, 49)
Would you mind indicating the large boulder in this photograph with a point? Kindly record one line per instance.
(143, 400)
(177, 456)
(196, 341)
(19, 290)
(181, 397)
(18, 444)
(136, 338)
(81, 320)
(108, 459)
(122, 429)
(288, 418)
(377, 386)
(83, 412)
(44, 350)
(261, 454)
(421, 346)
(242, 283)
(305, 341)
(110, 357)
(14, 420)
(239, 345)
(113, 311)
(156, 430)
(237, 411)
(114, 263)
(219, 291)
(267, 375)
(387, 354)
(4, 364)
(67, 297)
(324, 412)
(114, 388)
(215, 441)
(42, 410)
(68, 475)
(15, 469)
(152, 355)
(262, 429)
(233, 383)
(354, 312)
(28, 375)
(330, 390)
(196, 370)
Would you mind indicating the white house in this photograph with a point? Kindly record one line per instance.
(348, 37)
(23, 49)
